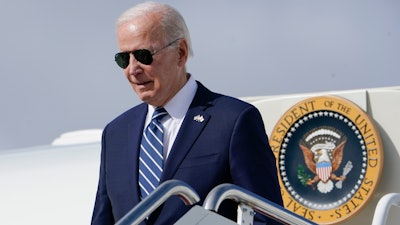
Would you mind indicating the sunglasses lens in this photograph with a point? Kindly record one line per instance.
(122, 59)
(143, 56)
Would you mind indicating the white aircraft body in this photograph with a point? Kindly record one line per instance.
(56, 184)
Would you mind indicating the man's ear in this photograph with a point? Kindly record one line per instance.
(183, 51)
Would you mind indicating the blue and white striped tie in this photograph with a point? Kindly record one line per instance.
(151, 154)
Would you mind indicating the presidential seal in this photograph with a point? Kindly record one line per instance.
(329, 158)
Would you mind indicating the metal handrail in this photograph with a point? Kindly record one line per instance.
(171, 187)
(383, 206)
(258, 203)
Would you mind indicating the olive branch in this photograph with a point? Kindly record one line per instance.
(302, 175)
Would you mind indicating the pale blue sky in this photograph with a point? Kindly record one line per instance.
(58, 72)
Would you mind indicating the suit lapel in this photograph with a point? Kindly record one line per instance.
(195, 120)
(134, 135)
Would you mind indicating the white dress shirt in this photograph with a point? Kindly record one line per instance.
(176, 108)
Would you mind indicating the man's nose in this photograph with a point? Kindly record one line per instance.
(133, 63)
(134, 67)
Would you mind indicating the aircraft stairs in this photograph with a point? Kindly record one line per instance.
(249, 204)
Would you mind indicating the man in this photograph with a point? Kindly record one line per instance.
(208, 138)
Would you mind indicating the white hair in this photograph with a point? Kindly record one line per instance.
(171, 21)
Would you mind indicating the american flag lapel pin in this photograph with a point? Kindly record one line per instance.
(198, 118)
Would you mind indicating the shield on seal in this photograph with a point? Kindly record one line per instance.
(324, 170)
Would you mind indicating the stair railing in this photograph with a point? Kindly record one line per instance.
(270, 209)
(167, 189)
(383, 206)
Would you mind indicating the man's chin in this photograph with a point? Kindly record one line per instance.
(145, 97)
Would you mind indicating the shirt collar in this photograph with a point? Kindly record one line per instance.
(179, 104)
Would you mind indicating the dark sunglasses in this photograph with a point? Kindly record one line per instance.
(143, 56)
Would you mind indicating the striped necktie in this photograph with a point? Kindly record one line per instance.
(151, 154)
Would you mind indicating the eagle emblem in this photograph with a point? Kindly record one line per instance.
(323, 153)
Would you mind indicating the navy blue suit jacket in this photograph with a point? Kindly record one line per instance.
(229, 146)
